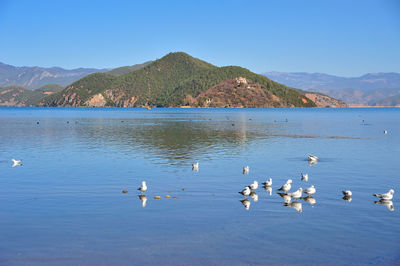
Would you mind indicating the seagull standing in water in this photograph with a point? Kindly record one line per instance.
(143, 188)
(267, 183)
(386, 196)
(16, 162)
(347, 193)
(297, 194)
(245, 192)
(312, 158)
(246, 170)
(311, 190)
(254, 186)
(287, 186)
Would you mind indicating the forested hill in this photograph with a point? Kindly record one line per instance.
(166, 82)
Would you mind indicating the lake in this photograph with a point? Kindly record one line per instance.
(65, 206)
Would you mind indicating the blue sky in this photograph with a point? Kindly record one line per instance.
(347, 38)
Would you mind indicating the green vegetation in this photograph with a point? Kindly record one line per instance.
(19, 96)
(50, 88)
(164, 82)
(83, 89)
(126, 69)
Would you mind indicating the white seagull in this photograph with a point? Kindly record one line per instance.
(386, 196)
(297, 194)
(254, 186)
(304, 177)
(311, 190)
(347, 193)
(246, 170)
(312, 157)
(195, 166)
(245, 192)
(268, 183)
(16, 162)
(287, 186)
(143, 188)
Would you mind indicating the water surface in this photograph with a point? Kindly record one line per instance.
(64, 205)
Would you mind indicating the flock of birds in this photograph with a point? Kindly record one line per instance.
(249, 191)
(284, 191)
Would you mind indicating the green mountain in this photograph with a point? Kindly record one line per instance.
(19, 96)
(166, 82)
(126, 69)
(50, 88)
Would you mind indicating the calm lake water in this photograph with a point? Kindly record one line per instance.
(65, 205)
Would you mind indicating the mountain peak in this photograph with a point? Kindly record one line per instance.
(182, 57)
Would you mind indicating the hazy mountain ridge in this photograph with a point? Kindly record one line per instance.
(388, 101)
(364, 90)
(36, 77)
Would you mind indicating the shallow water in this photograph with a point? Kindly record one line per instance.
(64, 205)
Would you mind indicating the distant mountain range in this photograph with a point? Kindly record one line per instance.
(373, 89)
(177, 79)
(36, 77)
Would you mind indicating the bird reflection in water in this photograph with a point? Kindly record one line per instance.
(387, 203)
(295, 205)
(246, 203)
(347, 198)
(268, 190)
(311, 163)
(246, 170)
(254, 196)
(286, 198)
(310, 200)
(143, 199)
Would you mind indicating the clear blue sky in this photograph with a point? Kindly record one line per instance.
(347, 38)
